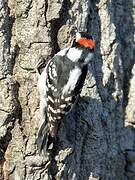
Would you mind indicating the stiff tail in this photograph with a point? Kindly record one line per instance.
(44, 140)
(41, 65)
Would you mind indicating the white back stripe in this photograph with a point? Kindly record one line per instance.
(73, 78)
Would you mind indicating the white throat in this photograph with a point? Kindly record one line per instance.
(74, 54)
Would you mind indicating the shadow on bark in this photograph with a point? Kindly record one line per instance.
(112, 114)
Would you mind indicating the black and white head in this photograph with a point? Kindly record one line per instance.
(82, 49)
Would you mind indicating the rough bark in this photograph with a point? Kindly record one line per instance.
(97, 139)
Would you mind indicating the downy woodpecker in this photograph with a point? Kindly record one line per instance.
(59, 85)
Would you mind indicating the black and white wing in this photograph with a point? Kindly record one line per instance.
(64, 82)
(63, 86)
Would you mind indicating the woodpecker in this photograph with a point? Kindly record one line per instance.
(60, 84)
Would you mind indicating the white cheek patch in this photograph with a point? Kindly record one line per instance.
(74, 54)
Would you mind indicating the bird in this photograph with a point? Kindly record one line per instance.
(60, 84)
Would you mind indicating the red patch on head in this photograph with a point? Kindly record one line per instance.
(88, 43)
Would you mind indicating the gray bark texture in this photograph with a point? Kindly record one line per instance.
(97, 139)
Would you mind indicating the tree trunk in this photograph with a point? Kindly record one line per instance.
(97, 139)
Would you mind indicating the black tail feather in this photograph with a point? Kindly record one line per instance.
(41, 65)
(44, 140)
